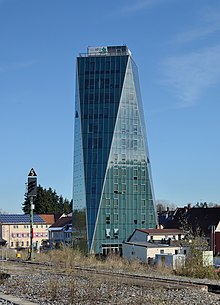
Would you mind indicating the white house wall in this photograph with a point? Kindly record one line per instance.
(218, 227)
(132, 252)
(142, 253)
(151, 252)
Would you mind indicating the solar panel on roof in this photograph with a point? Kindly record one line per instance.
(16, 218)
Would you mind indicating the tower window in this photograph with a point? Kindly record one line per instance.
(107, 219)
(115, 233)
(107, 233)
(143, 203)
(116, 202)
(116, 171)
(107, 202)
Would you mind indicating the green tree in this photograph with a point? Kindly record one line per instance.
(47, 202)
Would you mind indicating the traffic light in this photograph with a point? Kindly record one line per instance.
(32, 186)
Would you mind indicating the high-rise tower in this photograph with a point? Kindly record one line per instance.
(112, 176)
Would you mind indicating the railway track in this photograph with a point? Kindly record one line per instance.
(148, 280)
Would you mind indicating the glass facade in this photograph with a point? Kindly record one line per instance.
(112, 177)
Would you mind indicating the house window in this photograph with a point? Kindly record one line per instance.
(176, 251)
(123, 187)
(115, 188)
(12, 244)
(135, 221)
(115, 218)
(161, 251)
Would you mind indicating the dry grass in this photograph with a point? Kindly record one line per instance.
(66, 259)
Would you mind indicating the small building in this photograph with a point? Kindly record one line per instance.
(173, 261)
(15, 229)
(157, 235)
(144, 244)
(207, 258)
(61, 231)
(146, 251)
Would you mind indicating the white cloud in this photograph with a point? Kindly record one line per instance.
(17, 66)
(197, 33)
(135, 6)
(190, 75)
(209, 23)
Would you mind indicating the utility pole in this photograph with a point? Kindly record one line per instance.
(32, 192)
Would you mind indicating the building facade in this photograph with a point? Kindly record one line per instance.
(60, 233)
(15, 229)
(112, 175)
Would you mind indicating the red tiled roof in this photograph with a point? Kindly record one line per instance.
(48, 218)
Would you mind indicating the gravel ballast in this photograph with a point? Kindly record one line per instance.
(53, 289)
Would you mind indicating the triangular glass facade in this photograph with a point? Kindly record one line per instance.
(112, 177)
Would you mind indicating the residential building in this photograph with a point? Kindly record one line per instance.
(145, 244)
(61, 232)
(112, 175)
(146, 252)
(15, 229)
(203, 221)
(157, 235)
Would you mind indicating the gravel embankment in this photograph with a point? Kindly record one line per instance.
(51, 289)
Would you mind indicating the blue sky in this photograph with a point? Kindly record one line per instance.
(176, 46)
